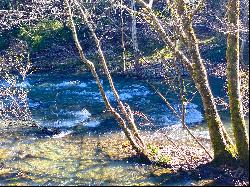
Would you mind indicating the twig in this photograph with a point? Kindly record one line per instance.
(184, 125)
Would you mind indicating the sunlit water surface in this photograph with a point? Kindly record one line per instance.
(73, 104)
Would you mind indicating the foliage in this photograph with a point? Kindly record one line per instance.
(42, 34)
(164, 159)
(162, 54)
(160, 157)
(153, 149)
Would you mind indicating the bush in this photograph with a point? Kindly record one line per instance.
(42, 34)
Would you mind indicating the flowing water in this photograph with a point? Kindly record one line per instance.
(64, 101)
(76, 155)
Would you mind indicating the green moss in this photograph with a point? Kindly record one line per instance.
(232, 149)
(164, 159)
(153, 149)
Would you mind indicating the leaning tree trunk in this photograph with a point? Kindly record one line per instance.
(233, 57)
(125, 119)
(221, 143)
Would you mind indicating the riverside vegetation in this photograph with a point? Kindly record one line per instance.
(124, 92)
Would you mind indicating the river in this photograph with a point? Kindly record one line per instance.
(75, 156)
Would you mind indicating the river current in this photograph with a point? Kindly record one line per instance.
(62, 100)
(78, 154)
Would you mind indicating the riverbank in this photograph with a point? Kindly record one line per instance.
(30, 157)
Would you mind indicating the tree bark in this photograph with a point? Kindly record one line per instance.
(233, 61)
(134, 35)
(127, 124)
(150, 3)
(221, 143)
(122, 40)
(244, 36)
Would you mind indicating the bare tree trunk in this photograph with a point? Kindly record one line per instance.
(221, 143)
(233, 58)
(123, 41)
(127, 124)
(150, 3)
(134, 35)
(242, 49)
(181, 118)
(243, 36)
(125, 110)
(199, 74)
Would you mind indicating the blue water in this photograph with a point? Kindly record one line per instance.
(73, 156)
(62, 100)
